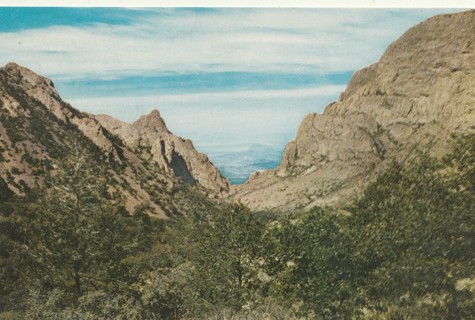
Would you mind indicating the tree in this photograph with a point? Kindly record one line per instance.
(313, 264)
(229, 248)
(78, 240)
(415, 226)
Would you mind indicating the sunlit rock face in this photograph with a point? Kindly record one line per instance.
(414, 99)
(150, 137)
(38, 131)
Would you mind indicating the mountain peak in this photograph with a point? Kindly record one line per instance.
(414, 99)
(30, 80)
(154, 113)
(152, 121)
(172, 153)
(13, 65)
(15, 68)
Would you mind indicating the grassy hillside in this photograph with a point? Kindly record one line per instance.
(404, 250)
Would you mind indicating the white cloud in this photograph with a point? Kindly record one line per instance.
(309, 41)
(278, 40)
(232, 118)
(95, 104)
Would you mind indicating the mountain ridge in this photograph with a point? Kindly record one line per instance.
(418, 95)
(413, 99)
(38, 131)
(151, 138)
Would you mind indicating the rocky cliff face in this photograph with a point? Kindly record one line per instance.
(150, 138)
(38, 130)
(43, 90)
(420, 93)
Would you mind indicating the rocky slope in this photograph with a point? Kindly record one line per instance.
(38, 130)
(415, 98)
(149, 137)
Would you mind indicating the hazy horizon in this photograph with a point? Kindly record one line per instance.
(225, 78)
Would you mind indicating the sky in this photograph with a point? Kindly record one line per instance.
(227, 78)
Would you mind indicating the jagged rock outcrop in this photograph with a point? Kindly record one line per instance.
(43, 90)
(150, 137)
(38, 130)
(420, 93)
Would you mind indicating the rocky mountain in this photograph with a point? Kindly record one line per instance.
(38, 130)
(414, 99)
(150, 138)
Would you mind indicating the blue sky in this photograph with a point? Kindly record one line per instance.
(225, 78)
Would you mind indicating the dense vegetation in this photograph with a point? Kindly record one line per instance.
(404, 250)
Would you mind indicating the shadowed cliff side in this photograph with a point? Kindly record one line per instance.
(150, 138)
(38, 131)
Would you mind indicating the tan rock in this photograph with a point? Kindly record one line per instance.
(43, 90)
(38, 130)
(420, 92)
(150, 137)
